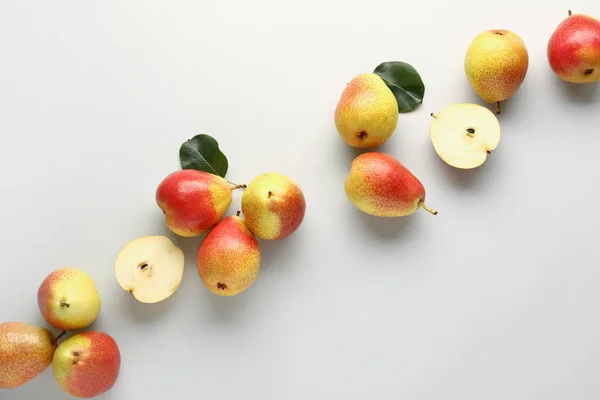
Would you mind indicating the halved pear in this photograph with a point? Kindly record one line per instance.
(464, 134)
(150, 268)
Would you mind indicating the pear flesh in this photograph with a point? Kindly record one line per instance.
(150, 268)
(464, 134)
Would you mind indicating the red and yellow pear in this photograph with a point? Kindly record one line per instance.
(68, 299)
(193, 201)
(379, 185)
(25, 352)
(228, 258)
(87, 364)
(273, 206)
(574, 49)
(367, 112)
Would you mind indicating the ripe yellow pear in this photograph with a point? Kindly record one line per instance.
(496, 63)
(25, 352)
(68, 299)
(367, 112)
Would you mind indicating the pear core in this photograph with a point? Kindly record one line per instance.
(150, 268)
(464, 134)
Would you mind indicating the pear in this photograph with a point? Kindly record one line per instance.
(573, 50)
(496, 64)
(380, 185)
(193, 201)
(228, 258)
(25, 352)
(464, 134)
(273, 206)
(150, 268)
(87, 364)
(367, 112)
(68, 299)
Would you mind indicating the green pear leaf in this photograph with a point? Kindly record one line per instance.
(202, 153)
(404, 81)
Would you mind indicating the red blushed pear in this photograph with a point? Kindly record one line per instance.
(87, 364)
(273, 206)
(68, 299)
(574, 49)
(380, 185)
(228, 258)
(193, 201)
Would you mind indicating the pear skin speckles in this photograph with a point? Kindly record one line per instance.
(87, 364)
(367, 112)
(496, 64)
(380, 185)
(228, 258)
(25, 352)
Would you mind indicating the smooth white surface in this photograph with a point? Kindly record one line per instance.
(495, 298)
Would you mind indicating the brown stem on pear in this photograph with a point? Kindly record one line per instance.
(570, 13)
(239, 187)
(237, 214)
(55, 340)
(497, 107)
(433, 115)
(64, 304)
(423, 206)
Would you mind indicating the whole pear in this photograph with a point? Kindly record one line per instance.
(496, 64)
(574, 49)
(25, 352)
(228, 258)
(68, 299)
(367, 112)
(87, 364)
(193, 201)
(379, 185)
(273, 206)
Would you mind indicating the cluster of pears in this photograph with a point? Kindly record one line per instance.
(85, 364)
(377, 184)
(496, 64)
(228, 259)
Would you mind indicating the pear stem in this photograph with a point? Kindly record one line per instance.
(237, 214)
(497, 107)
(570, 13)
(55, 340)
(239, 187)
(433, 115)
(423, 206)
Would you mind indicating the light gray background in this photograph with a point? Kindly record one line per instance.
(495, 298)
